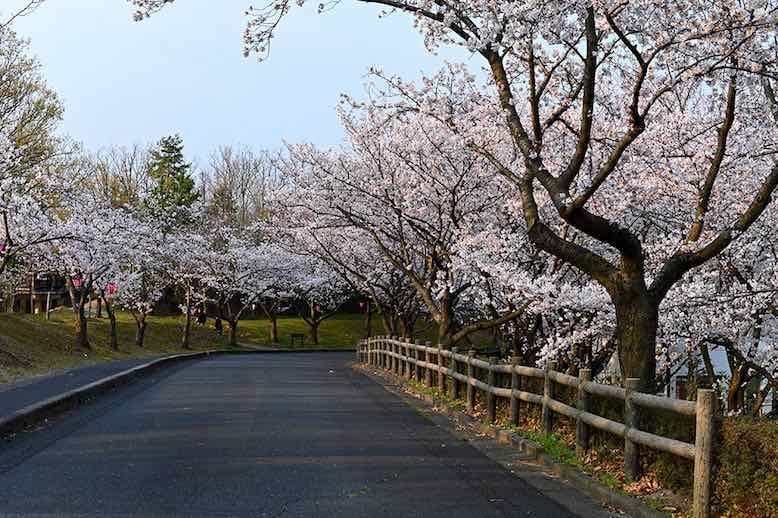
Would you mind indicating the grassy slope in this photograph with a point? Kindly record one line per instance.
(32, 345)
(342, 330)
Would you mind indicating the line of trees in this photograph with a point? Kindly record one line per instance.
(607, 187)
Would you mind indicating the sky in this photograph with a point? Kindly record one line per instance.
(182, 71)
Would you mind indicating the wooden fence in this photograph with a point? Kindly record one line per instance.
(419, 361)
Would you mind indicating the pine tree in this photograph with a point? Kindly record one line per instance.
(175, 188)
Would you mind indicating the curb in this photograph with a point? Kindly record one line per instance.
(634, 507)
(37, 412)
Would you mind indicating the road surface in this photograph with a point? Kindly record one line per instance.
(265, 435)
(17, 395)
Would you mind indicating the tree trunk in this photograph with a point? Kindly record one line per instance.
(32, 293)
(140, 335)
(761, 397)
(637, 319)
(273, 329)
(407, 325)
(390, 324)
(368, 322)
(445, 333)
(233, 332)
(82, 331)
(114, 333)
(734, 390)
(188, 323)
(100, 308)
(315, 332)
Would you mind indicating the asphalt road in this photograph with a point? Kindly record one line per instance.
(16, 396)
(285, 435)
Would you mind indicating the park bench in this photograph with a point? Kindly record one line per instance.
(298, 336)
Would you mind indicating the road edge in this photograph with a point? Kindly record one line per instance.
(35, 413)
(575, 478)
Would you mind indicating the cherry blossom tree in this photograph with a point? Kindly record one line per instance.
(358, 262)
(318, 293)
(413, 192)
(239, 274)
(28, 199)
(730, 303)
(640, 135)
(91, 257)
(185, 265)
(141, 280)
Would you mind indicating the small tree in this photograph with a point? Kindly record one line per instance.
(92, 257)
(138, 292)
(174, 188)
(318, 292)
(141, 280)
(240, 274)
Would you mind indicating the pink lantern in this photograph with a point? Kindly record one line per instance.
(78, 282)
(317, 308)
(112, 288)
(3, 248)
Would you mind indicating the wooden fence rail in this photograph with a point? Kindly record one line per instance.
(425, 364)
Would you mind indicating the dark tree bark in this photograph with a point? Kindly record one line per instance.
(140, 332)
(111, 312)
(274, 329)
(185, 339)
(78, 298)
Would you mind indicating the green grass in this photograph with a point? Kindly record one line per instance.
(31, 345)
(340, 331)
(552, 445)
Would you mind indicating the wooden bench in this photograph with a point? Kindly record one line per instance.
(298, 336)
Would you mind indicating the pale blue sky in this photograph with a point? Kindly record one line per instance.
(182, 71)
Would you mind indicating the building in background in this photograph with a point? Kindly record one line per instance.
(39, 292)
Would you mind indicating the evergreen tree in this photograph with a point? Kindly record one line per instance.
(175, 187)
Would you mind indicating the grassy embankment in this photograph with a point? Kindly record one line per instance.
(31, 345)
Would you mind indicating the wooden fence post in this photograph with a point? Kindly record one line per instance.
(401, 352)
(385, 353)
(703, 452)
(491, 400)
(396, 351)
(547, 417)
(453, 369)
(470, 378)
(427, 358)
(418, 358)
(408, 357)
(631, 421)
(389, 357)
(441, 371)
(584, 405)
(514, 389)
